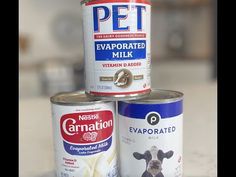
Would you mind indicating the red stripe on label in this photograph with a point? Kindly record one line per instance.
(111, 1)
(119, 93)
(120, 35)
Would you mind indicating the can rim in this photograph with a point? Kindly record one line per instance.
(84, 1)
(74, 98)
(121, 97)
(159, 96)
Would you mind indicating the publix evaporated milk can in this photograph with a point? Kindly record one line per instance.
(150, 135)
(84, 136)
(117, 48)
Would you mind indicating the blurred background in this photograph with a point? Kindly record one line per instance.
(183, 52)
(51, 45)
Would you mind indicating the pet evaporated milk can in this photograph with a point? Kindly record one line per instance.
(150, 135)
(117, 48)
(84, 136)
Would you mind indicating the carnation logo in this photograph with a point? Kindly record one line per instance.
(90, 136)
(87, 127)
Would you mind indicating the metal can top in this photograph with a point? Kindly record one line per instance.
(74, 98)
(159, 96)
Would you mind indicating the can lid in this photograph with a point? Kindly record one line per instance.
(159, 96)
(73, 98)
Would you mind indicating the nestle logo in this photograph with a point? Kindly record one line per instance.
(88, 117)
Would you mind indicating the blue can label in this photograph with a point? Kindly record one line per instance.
(120, 50)
(150, 137)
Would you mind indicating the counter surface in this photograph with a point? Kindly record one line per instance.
(200, 122)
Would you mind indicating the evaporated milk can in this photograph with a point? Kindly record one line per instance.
(151, 135)
(117, 48)
(84, 136)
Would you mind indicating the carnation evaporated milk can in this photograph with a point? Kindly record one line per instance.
(84, 136)
(117, 48)
(150, 135)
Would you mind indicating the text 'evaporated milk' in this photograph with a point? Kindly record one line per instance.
(150, 135)
(84, 136)
(117, 47)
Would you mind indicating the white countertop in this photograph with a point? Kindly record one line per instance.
(36, 147)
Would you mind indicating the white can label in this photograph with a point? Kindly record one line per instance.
(117, 46)
(84, 140)
(150, 139)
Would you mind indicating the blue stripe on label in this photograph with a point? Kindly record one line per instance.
(84, 150)
(139, 111)
(120, 50)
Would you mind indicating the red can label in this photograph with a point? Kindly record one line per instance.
(87, 133)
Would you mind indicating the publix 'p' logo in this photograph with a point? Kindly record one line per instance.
(153, 118)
